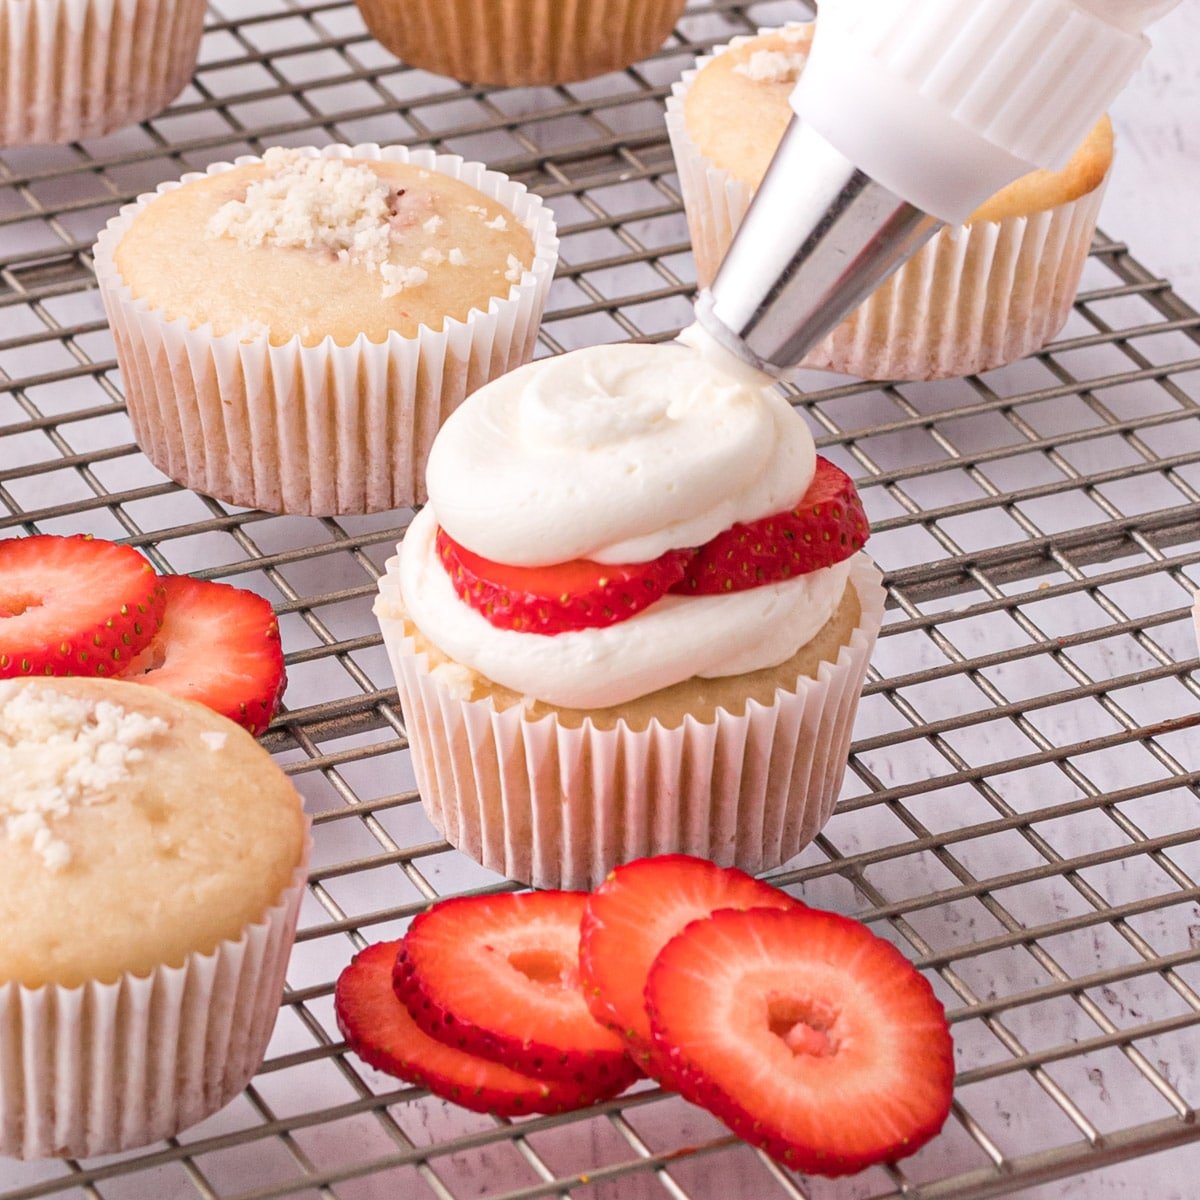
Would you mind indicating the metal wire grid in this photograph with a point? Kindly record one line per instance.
(1020, 814)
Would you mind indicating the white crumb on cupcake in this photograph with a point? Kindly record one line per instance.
(58, 753)
(772, 66)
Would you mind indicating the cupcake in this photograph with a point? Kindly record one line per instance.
(632, 619)
(153, 858)
(293, 330)
(975, 297)
(521, 42)
(76, 69)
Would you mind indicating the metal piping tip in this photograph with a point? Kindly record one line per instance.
(819, 238)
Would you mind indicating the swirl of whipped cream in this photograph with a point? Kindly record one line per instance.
(674, 639)
(616, 454)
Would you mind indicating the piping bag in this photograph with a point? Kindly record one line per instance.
(908, 115)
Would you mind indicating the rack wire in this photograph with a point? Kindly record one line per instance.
(1021, 811)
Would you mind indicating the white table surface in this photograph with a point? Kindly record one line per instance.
(1152, 198)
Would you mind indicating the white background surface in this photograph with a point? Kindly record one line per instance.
(1152, 199)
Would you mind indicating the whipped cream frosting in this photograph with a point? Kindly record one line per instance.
(616, 454)
(674, 639)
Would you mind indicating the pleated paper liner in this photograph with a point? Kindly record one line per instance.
(107, 1067)
(555, 806)
(322, 429)
(521, 42)
(975, 297)
(75, 69)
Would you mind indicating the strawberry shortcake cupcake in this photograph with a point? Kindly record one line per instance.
(632, 618)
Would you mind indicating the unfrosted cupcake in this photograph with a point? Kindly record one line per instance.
(521, 42)
(632, 619)
(975, 297)
(77, 69)
(293, 330)
(153, 862)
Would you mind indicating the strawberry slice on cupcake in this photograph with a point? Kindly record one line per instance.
(827, 527)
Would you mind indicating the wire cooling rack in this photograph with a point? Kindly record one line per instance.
(1022, 807)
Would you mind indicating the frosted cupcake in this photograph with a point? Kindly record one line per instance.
(77, 69)
(521, 42)
(632, 619)
(975, 297)
(153, 860)
(292, 331)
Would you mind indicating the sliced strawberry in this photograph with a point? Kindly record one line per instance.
(806, 1034)
(74, 606)
(632, 915)
(219, 645)
(827, 526)
(498, 976)
(380, 1030)
(561, 598)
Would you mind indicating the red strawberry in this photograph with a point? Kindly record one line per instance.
(806, 1034)
(74, 606)
(380, 1030)
(219, 645)
(633, 914)
(827, 526)
(557, 599)
(498, 976)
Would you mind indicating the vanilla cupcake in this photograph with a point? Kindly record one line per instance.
(153, 859)
(76, 69)
(975, 297)
(521, 42)
(632, 619)
(293, 330)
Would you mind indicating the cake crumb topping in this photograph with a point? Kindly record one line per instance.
(396, 278)
(795, 31)
(498, 223)
(515, 268)
(59, 753)
(457, 257)
(771, 66)
(214, 739)
(328, 204)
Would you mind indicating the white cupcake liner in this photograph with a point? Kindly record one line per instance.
(322, 429)
(521, 42)
(101, 1068)
(75, 69)
(559, 807)
(973, 298)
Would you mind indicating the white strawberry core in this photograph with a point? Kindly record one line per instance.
(805, 1026)
(15, 604)
(547, 967)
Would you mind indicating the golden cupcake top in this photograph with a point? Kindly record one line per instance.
(307, 246)
(135, 828)
(736, 111)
